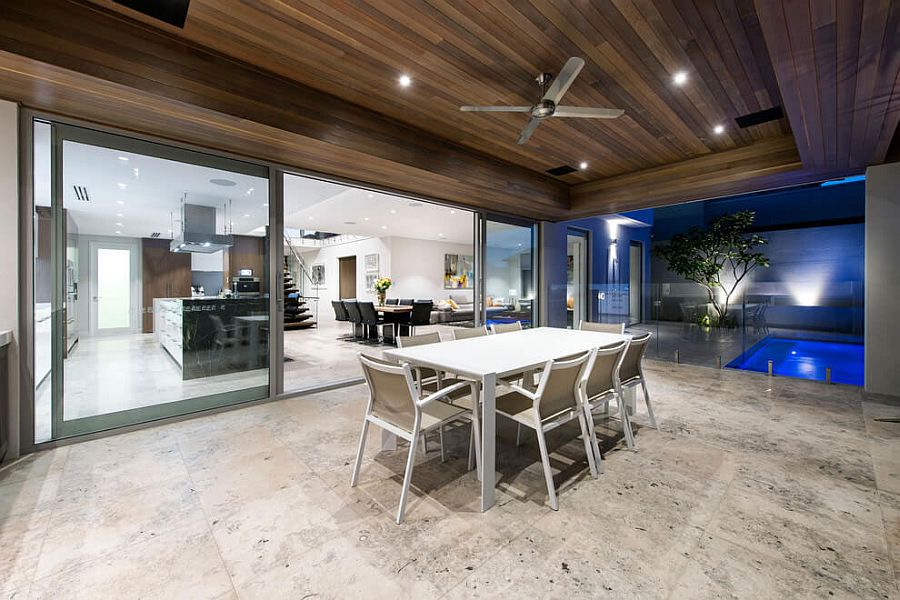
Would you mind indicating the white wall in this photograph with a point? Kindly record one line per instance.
(416, 266)
(882, 279)
(9, 257)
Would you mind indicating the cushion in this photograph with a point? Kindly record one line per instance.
(460, 299)
(452, 304)
(570, 302)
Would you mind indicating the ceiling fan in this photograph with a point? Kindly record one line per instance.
(548, 106)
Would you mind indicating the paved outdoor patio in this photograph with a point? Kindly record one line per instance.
(754, 488)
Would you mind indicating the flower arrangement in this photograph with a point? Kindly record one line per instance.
(382, 284)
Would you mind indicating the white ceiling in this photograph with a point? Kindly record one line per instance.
(137, 204)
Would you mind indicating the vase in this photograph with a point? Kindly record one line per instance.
(381, 296)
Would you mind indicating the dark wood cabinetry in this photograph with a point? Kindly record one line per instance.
(166, 274)
(248, 252)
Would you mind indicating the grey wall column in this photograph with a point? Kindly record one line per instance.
(882, 327)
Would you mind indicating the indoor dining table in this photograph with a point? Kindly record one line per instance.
(393, 309)
(487, 358)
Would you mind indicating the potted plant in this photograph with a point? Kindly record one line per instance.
(382, 285)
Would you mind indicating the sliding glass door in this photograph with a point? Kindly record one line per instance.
(151, 291)
(510, 273)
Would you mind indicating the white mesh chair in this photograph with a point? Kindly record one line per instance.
(631, 372)
(506, 327)
(599, 385)
(602, 327)
(556, 401)
(396, 405)
(464, 333)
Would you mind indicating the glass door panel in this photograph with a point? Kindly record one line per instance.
(170, 248)
(576, 277)
(510, 277)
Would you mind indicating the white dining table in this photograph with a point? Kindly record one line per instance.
(487, 358)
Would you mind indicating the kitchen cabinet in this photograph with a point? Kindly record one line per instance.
(165, 274)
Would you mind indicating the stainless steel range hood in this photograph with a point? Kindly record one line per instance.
(198, 231)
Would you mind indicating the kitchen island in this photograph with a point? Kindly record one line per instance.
(213, 336)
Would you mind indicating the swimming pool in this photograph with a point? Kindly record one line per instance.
(806, 359)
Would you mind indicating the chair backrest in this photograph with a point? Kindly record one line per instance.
(352, 311)
(392, 301)
(558, 388)
(602, 327)
(421, 312)
(407, 302)
(340, 313)
(391, 391)
(631, 363)
(506, 327)
(462, 333)
(367, 313)
(408, 341)
(600, 376)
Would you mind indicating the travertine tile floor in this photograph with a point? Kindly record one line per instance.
(755, 488)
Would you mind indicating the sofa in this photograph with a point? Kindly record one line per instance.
(444, 312)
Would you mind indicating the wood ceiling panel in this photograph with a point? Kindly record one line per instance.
(488, 52)
(837, 65)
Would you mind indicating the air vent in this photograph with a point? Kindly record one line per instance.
(760, 117)
(563, 170)
(81, 193)
(155, 234)
(173, 12)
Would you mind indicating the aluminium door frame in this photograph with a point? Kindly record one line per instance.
(587, 234)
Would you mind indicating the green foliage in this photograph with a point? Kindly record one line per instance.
(702, 255)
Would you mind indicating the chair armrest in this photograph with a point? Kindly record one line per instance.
(523, 391)
(443, 392)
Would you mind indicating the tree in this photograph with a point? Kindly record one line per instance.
(701, 256)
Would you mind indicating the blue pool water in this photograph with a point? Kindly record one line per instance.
(806, 359)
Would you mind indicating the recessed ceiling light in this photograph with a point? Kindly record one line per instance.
(118, 232)
(265, 205)
(384, 226)
(310, 217)
(119, 225)
(365, 218)
(719, 129)
(393, 211)
(223, 182)
(170, 231)
(679, 78)
(583, 165)
(137, 172)
(441, 235)
(520, 245)
(250, 191)
(247, 215)
(122, 186)
(120, 202)
(123, 158)
(120, 215)
(452, 212)
(370, 195)
(405, 80)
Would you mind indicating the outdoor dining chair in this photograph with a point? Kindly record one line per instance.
(618, 328)
(463, 333)
(397, 405)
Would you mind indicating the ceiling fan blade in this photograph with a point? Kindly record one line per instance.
(528, 130)
(565, 78)
(588, 113)
(512, 109)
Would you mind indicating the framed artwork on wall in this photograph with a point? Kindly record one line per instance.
(317, 274)
(459, 271)
(372, 262)
(370, 281)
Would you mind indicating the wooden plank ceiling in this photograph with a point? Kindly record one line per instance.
(320, 79)
(489, 53)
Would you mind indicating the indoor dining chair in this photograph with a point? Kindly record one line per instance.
(556, 401)
(464, 333)
(618, 328)
(599, 385)
(397, 405)
(506, 327)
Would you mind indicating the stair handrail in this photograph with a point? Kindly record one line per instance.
(302, 264)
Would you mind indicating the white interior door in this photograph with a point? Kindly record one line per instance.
(114, 297)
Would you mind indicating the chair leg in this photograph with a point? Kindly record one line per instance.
(626, 420)
(653, 422)
(407, 477)
(590, 441)
(441, 436)
(424, 444)
(518, 434)
(359, 453)
(545, 460)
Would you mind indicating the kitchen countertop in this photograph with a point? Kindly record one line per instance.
(5, 337)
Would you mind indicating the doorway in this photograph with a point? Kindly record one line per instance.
(347, 276)
(577, 279)
(635, 281)
(113, 276)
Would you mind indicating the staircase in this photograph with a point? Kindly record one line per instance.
(296, 310)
